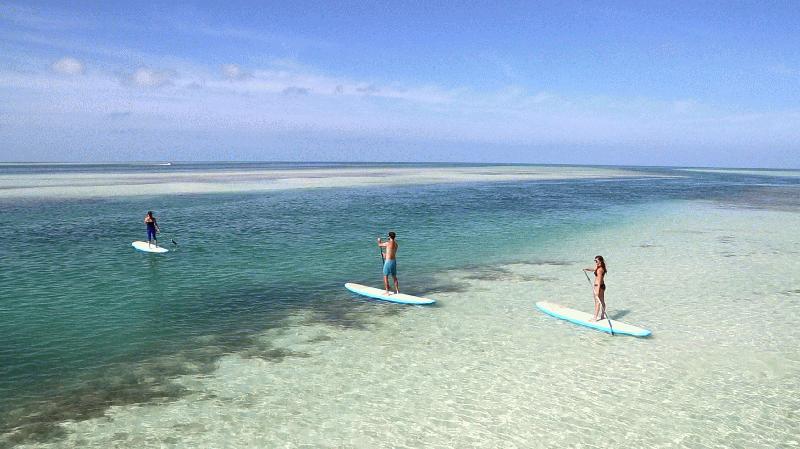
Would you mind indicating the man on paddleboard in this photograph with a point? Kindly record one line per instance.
(389, 262)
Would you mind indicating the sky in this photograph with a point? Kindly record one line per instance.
(697, 83)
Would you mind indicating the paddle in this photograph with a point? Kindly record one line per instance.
(171, 239)
(173, 242)
(601, 303)
(381, 251)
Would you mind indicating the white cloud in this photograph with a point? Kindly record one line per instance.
(295, 90)
(68, 66)
(234, 72)
(118, 115)
(283, 98)
(285, 80)
(145, 77)
(687, 105)
(368, 89)
(542, 97)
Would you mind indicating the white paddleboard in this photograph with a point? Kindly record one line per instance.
(144, 246)
(377, 293)
(582, 318)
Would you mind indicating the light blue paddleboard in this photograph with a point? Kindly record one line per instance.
(144, 246)
(582, 318)
(377, 293)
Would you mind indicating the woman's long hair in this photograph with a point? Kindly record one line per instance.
(602, 263)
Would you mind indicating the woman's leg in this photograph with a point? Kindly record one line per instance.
(601, 296)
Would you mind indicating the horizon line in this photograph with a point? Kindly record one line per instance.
(163, 162)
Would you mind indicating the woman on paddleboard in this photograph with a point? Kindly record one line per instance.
(599, 288)
(152, 228)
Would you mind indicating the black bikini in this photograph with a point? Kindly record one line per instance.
(603, 285)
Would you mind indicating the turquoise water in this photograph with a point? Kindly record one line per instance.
(87, 323)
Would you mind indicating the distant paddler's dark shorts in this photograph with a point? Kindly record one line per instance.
(390, 267)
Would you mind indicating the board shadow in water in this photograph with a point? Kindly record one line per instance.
(142, 380)
(618, 314)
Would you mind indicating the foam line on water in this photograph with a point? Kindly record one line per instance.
(92, 185)
(782, 173)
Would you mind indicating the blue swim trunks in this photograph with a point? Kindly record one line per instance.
(390, 267)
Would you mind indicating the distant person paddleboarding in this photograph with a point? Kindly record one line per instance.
(389, 261)
(599, 288)
(152, 228)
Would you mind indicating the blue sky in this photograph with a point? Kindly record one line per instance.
(640, 83)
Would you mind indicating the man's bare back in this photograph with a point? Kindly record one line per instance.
(390, 262)
(391, 249)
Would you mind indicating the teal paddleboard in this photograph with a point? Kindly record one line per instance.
(377, 293)
(584, 319)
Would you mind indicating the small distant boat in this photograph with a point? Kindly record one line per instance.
(164, 163)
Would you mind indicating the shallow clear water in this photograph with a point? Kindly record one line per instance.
(243, 334)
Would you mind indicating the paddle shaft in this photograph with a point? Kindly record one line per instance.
(171, 239)
(602, 304)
